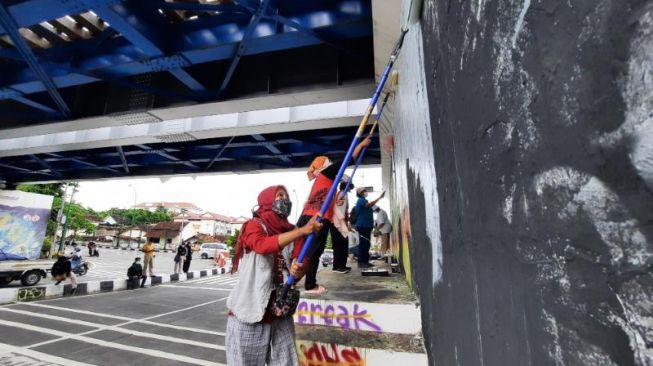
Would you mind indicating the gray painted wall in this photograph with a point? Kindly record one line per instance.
(535, 246)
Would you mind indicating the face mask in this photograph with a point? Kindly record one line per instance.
(282, 207)
(365, 194)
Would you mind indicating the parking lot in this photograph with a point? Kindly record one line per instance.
(172, 324)
(113, 264)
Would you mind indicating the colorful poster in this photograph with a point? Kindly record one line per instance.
(23, 222)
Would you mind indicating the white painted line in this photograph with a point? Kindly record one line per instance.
(130, 320)
(42, 356)
(198, 288)
(103, 343)
(186, 308)
(117, 329)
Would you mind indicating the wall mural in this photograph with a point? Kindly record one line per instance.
(23, 222)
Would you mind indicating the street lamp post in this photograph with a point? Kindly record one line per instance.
(60, 216)
(140, 232)
(65, 224)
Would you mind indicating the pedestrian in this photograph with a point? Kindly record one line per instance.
(180, 258)
(62, 269)
(341, 229)
(382, 228)
(135, 274)
(148, 259)
(220, 260)
(323, 171)
(364, 225)
(189, 257)
(258, 332)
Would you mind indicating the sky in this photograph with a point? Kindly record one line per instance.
(227, 194)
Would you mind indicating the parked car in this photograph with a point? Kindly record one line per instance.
(207, 250)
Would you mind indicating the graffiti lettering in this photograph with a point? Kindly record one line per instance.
(31, 293)
(317, 354)
(345, 316)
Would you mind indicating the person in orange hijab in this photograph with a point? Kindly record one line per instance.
(323, 172)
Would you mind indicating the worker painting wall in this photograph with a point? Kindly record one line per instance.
(534, 245)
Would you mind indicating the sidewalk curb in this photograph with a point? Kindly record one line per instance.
(15, 295)
(112, 247)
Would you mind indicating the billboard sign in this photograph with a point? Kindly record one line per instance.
(23, 221)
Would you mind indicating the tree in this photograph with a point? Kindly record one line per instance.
(50, 189)
(136, 217)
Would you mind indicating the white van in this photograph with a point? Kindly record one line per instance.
(207, 250)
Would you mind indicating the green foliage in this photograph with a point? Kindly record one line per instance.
(50, 189)
(231, 240)
(137, 216)
(329, 242)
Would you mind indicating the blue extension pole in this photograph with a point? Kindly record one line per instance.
(361, 128)
(360, 157)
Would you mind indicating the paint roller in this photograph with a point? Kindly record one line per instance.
(282, 299)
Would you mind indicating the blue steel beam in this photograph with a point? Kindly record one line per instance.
(12, 30)
(28, 13)
(126, 23)
(46, 166)
(123, 159)
(194, 56)
(204, 7)
(224, 147)
(168, 156)
(240, 51)
(273, 149)
(37, 105)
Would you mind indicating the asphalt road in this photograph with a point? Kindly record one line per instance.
(113, 264)
(172, 324)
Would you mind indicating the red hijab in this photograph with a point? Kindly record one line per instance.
(274, 223)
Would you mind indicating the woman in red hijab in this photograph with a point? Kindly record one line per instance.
(255, 334)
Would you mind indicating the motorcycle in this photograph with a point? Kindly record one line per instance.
(78, 266)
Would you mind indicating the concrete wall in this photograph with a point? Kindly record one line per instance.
(524, 192)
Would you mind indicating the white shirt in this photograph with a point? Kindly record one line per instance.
(382, 218)
(340, 215)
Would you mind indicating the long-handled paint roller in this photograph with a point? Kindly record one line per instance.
(281, 296)
(359, 160)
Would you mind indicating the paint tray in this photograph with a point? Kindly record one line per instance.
(375, 272)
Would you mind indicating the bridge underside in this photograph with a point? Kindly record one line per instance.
(113, 88)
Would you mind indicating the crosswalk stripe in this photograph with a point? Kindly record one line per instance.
(103, 343)
(116, 329)
(133, 320)
(217, 280)
(211, 280)
(54, 360)
(198, 288)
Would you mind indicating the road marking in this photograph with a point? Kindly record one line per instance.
(118, 317)
(118, 329)
(187, 308)
(103, 343)
(198, 288)
(215, 280)
(130, 320)
(50, 359)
